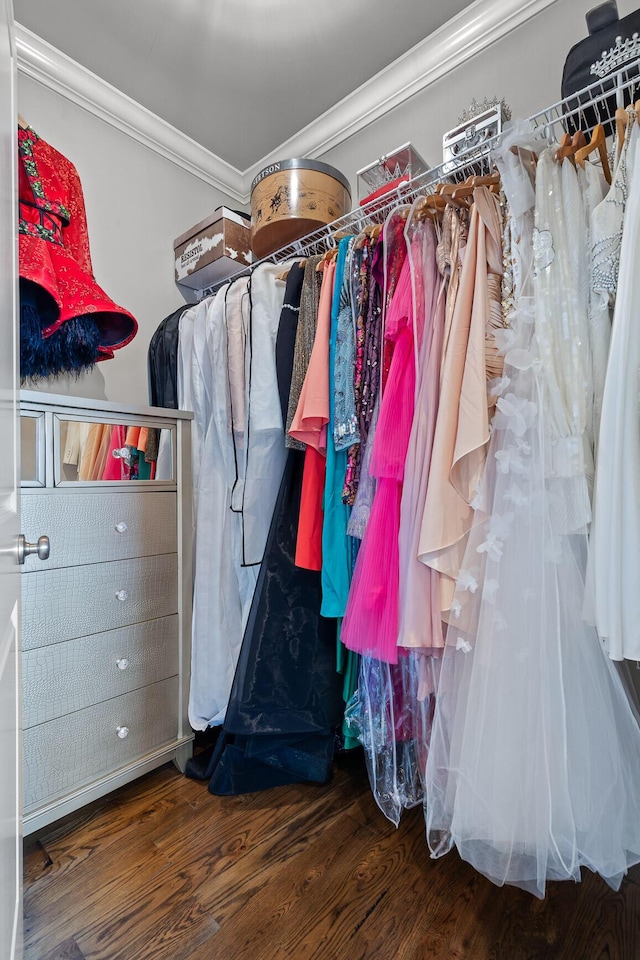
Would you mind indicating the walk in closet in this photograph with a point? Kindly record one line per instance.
(320, 480)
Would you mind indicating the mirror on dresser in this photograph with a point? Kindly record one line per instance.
(97, 451)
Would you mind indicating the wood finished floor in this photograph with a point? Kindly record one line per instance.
(162, 870)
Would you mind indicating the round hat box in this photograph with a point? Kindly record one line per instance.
(293, 197)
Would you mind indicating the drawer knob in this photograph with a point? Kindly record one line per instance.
(122, 732)
(122, 664)
(121, 527)
(25, 549)
(122, 594)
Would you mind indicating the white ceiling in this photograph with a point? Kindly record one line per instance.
(240, 77)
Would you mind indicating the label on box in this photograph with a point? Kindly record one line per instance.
(190, 257)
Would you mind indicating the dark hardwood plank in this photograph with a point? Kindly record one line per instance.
(160, 920)
(162, 870)
(55, 910)
(111, 822)
(69, 950)
(290, 897)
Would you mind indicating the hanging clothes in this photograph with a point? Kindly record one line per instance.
(371, 620)
(266, 454)
(288, 647)
(462, 427)
(610, 599)
(336, 551)
(163, 361)
(534, 760)
(419, 584)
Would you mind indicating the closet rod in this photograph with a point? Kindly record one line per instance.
(594, 97)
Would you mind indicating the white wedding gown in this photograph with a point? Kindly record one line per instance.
(614, 562)
(534, 764)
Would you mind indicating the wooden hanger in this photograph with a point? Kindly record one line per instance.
(490, 180)
(417, 208)
(525, 154)
(449, 195)
(363, 235)
(432, 208)
(463, 194)
(285, 273)
(622, 119)
(22, 122)
(598, 142)
(636, 107)
(329, 255)
(569, 145)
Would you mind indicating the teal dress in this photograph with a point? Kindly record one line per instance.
(338, 557)
(336, 552)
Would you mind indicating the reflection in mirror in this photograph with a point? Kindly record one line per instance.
(91, 451)
(29, 449)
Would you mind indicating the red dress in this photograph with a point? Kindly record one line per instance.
(54, 259)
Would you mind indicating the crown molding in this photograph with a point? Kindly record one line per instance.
(48, 65)
(468, 33)
(456, 41)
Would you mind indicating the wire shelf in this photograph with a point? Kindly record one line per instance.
(597, 102)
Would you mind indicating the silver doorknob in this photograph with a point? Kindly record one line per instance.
(26, 549)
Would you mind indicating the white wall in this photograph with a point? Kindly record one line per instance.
(525, 68)
(137, 203)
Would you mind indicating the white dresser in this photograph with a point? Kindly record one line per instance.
(106, 619)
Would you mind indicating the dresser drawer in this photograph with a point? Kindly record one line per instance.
(73, 602)
(66, 753)
(99, 526)
(64, 677)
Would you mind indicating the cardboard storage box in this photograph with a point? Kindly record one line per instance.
(213, 249)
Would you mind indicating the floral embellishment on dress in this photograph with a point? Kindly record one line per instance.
(504, 339)
(498, 531)
(25, 146)
(467, 581)
(464, 645)
(490, 590)
(523, 359)
(492, 546)
(497, 386)
(543, 252)
(515, 495)
(510, 461)
(478, 499)
(520, 411)
(456, 608)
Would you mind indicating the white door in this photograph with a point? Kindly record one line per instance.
(11, 785)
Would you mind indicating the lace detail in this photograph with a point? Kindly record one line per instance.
(543, 251)
(607, 223)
